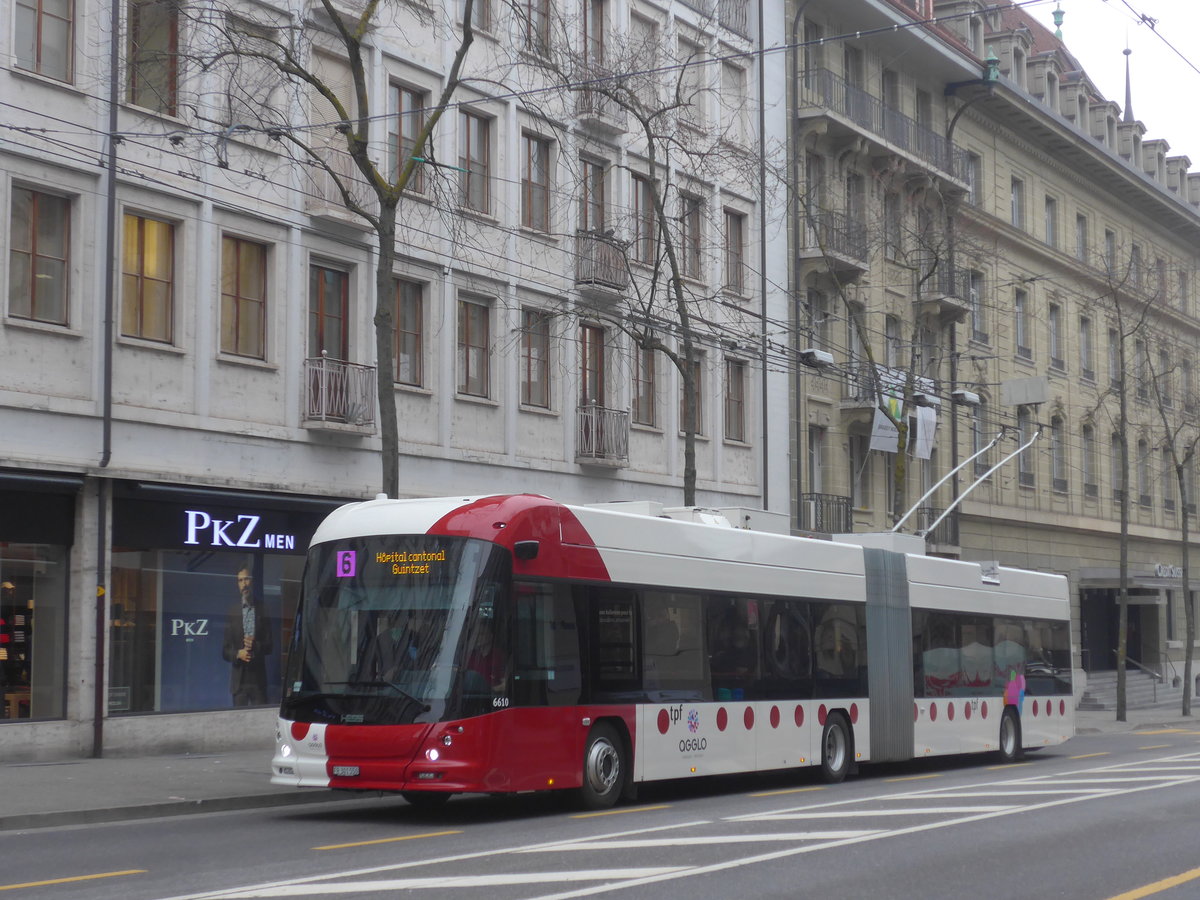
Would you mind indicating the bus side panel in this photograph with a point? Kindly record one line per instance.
(538, 748)
(1046, 721)
(889, 643)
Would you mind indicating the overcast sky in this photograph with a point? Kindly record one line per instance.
(1164, 84)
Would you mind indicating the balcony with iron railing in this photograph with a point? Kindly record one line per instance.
(945, 293)
(601, 267)
(863, 387)
(323, 197)
(946, 532)
(837, 239)
(593, 106)
(735, 15)
(601, 436)
(821, 91)
(826, 513)
(339, 395)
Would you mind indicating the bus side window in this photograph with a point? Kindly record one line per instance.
(840, 646)
(733, 647)
(546, 665)
(613, 644)
(787, 650)
(673, 663)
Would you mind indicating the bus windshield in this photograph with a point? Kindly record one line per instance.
(391, 627)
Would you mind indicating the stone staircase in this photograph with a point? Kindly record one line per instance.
(1142, 691)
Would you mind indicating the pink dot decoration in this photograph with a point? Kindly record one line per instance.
(722, 719)
(664, 721)
(774, 716)
(799, 716)
(932, 712)
(853, 713)
(748, 717)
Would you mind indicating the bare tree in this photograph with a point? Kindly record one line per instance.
(275, 68)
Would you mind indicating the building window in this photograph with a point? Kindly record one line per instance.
(594, 15)
(819, 319)
(860, 471)
(39, 256)
(592, 359)
(1164, 378)
(1143, 472)
(1021, 323)
(979, 328)
(735, 400)
(1167, 478)
(408, 347)
(535, 358)
(1081, 238)
(1025, 461)
(474, 339)
(406, 118)
(1185, 304)
(243, 297)
(148, 279)
(1086, 355)
(1116, 461)
(1054, 336)
(1090, 486)
(535, 23)
(980, 438)
(974, 179)
(593, 197)
(481, 14)
(1018, 202)
(645, 235)
(735, 252)
(1110, 251)
(816, 463)
(1135, 266)
(1051, 220)
(1160, 279)
(697, 368)
(1141, 368)
(535, 182)
(1115, 375)
(692, 72)
(153, 55)
(328, 312)
(43, 41)
(645, 406)
(689, 236)
(1058, 455)
(474, 141)
(1185, 385)
(734, 103)
(893, 234)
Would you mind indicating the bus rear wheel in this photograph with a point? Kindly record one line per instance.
(1010, 736)
(835, 749)
(604, 767)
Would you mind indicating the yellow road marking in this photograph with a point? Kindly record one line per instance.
(1163, 731)
(620, 812)
(787, 791)
(1158, 886)
(391, 840)
(1088, 755)
(914, 777)
(73, 878)
(1156, 747)
(1009, 766)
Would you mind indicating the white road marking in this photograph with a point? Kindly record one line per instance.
(696, 840)
(868, 813)
(448, 882)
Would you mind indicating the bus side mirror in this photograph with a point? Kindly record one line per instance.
(525, 550)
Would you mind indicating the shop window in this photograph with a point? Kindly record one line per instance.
(33, 616)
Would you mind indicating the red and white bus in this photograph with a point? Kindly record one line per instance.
(513, 643)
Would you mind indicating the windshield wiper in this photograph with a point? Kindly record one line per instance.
(425, 707)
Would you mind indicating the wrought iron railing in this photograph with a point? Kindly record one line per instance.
(602, 434)
(339, 391)
(822, 88)
(861, 384)
(600, 261)
(945, 282)
(735, 15)
(324, 194)
(837, 234)
(946, 531)
(826, 513)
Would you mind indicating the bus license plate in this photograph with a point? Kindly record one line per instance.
(345, 771)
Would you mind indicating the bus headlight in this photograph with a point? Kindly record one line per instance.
(285, 750)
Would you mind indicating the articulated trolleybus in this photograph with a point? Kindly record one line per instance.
(511, 643)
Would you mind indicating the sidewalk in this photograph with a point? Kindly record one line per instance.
(82, 791)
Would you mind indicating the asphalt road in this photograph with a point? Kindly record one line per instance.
(1097, 818)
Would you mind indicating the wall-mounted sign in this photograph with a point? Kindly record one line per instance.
(241, 530)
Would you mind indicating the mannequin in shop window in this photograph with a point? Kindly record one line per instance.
(247, 645)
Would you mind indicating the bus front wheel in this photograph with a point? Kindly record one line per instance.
(604, 765)
(1010, 736)
(835, 749)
